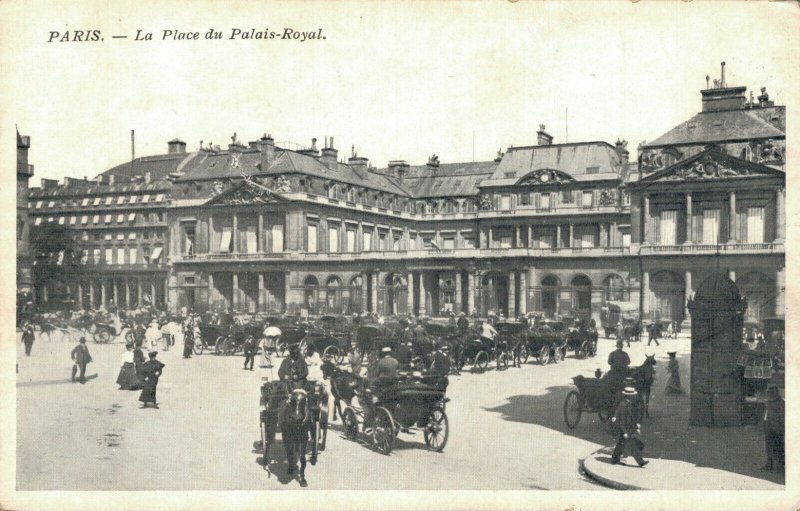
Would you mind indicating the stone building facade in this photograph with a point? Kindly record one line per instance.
(557, 229)
(24, 173)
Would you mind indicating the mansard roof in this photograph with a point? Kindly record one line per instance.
(246, 191)
(707, 127)
(584, 161)
(446, 180)
(159, 166)
(711, 165)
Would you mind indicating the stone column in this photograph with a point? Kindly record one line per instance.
(732, 235)
(153, 300)
(115, 290)
(523, 290)
(235, 234)
(518, 237)
(489, 236)
(571, 235)
(780, 215)
(210, 290)
(689, 233)
(645, 294)
(410, 303)
(780, 287)
(603, 235)
(139, 290)
(612, 238)
(364, 292)
(558, 236)
(470, 292)
(235, 291)
(457, 303)
(529, 242)
(374, 277)
(166, 294)
(259, 237)
(512, 295)
(422, 293)
(91, 294)
(646, 219)
(127, 292)
(287, 290)
(360, 247)
(262, 292)
(80, 295)
(687, 293)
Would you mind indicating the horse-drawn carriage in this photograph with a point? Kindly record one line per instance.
(547, 341)
(299, 412)
(582, 340)
(412, 403)
(478, 351)
(233, 341)
(602, 395)
(371, 338)
(613, 314)
(330, 337)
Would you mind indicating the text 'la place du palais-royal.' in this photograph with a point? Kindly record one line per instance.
(173, 34)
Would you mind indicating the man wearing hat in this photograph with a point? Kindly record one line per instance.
(619, 362)
(151, 371)
(250, 350)
(28, 337)
(625, 427)
(441, 361)
(80, 354)
(462, 324)
(386, 368)
(293, 368)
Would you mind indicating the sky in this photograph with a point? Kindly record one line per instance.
(395, 80)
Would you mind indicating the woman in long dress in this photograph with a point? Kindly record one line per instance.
(151, 371)
(674, 381)
(127, 379)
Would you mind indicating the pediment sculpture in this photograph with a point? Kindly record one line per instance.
(545, 177)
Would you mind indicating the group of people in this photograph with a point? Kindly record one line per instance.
(138, 374)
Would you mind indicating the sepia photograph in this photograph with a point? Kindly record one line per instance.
(492, 248)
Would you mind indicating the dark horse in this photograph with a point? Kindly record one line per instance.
(295, 423)
(343, 385)
(644, 375)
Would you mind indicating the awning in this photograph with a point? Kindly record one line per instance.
(84, 219)
(156, 254)
(225, 241)
(37, 221)
(131, 217)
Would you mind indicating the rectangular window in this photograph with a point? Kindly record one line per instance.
(131, 217)
(96, 219)
(667, 227)
(84, 219)
(469, 242)
(449, 243)
(132, 255)
(312, 236)
(189, 237)
(50, 220)
(505, 241)
(351, 240)
(427, 242)
(396, 242)
(96, 256)
(277, 238)
(711, 226)
(97, 201)
(120, 255)
(121, 199)
(131, 235)
(546, 241)
(108, 219)
(120, 218)
(145, 198)
(505, 202)
(250, 239)
(586, 199)
(39, 204)
(37, 221)
(156, 255)
(109, 200)
(367, 241)
(544, 201)
(132, 199)
(333, 239)
(755, 225)
(226, 239)
(587, 240)
(61, 220)
(412, 242)
(382, 241)
(160, 197)
(73, 220)
(626, 239)
(592, 170)
(107, 236)
(51, 204)
(109, 256)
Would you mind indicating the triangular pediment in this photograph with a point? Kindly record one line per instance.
(246, 192)
(712, 165)
(544, 177)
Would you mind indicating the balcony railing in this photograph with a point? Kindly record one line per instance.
(721, 248)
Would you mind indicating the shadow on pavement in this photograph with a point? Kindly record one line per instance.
(667, 434)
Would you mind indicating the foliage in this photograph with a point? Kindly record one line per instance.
(55, 252)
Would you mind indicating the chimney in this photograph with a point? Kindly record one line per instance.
(763, 99)
(722, 75)
(621, 147)
(433, 164)
(23, 144)
(721, 97)
(253, 145)
(399, 169)
(267, 145)
(543, 137)
(49, 184)
(176, 146)
(499, 156)
(147, 177)
(312, 151)
(329, 154)
(359, 164)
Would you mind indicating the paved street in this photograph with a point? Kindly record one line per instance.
(507, 429)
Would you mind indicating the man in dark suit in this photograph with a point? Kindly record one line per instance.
(441, 362)
(250, 350)
(625, 427)
(28, 337)
(80, 355)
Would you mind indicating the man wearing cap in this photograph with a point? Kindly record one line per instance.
(441, 361)
(80, 354)
(386, 368)
(625, 427)
(619, 362)
(293, 368)
(151, 371)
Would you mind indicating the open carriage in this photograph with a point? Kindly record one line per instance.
(371, 338)
(478, 352)
(412, 403)
(548, 341)
(596, 395)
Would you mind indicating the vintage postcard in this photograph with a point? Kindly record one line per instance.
(398, 255)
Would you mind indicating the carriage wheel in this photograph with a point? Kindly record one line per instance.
(228, 347)
(544, 355)
(218, 345)
(584, 350)
(481, 361)
(572, 409)
(383, 431)
(523, 355)
(332, 352)
(558, 354)
(198, 346)
(436, 430)
(502, 361)
(350, 423)
(102, 336)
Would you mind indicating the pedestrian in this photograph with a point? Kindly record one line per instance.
(250, 350)
(774, 423)
(128, 378)
(138, 362)
(626, 428)
(462, 324)
(152, 335)
(151, 370)
(188, 339)
(674, 381)
(441, 361)
(652, 331)
(28, 336)
(80, 355)
(271, 338)
(619, 362)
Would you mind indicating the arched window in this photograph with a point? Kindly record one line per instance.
(310, 293)
(581, 295)
(614, 289)
(747, 153)
(332, 191)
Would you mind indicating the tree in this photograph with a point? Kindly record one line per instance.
(56, 255)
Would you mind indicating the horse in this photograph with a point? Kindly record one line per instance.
(644, 376)
(342, 385)
(632, 331)
(295, 423)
